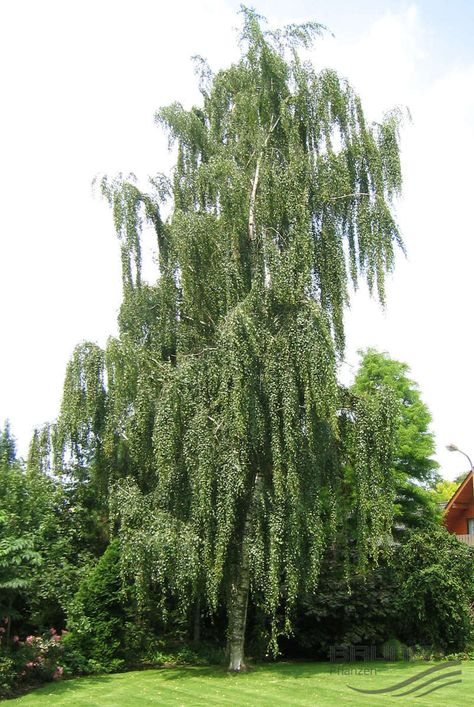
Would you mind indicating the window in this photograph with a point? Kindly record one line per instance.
(470, 526)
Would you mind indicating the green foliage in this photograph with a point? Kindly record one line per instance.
(413, 468)
(215, 416)
(77, 438)
(7, 446)
(17, 553)
(23, 663)
(13, 496)
(266, 200)
(422, 595)
(17, 556)
(348, 608)
(393, 649)
(42, 542)
(64, 531)
(206, 655)
(8, 675)
(415, 442)
(99, 618)
(436, 590)
(445, 489)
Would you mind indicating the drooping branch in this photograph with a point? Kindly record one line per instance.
(212, 379)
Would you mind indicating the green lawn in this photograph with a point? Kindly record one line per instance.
(266, 685)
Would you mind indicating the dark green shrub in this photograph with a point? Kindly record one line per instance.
(357, 609)
(422, 597)
(435, 591)
(100, 618)
(393, 649)
(8, 676)
(74, 661)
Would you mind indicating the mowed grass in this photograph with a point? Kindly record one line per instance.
(272, 685)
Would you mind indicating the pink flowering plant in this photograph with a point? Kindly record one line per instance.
(41, 656)
(34, 659)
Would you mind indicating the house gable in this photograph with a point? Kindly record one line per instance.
(460, 507)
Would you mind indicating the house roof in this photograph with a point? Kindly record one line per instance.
(460, 491)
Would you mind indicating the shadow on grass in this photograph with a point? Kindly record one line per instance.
(260, 671)
(178, 673)
(290, 670)
(283, 670)
(63, 687)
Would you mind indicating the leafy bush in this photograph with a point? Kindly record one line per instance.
(74, 662)
(393, 649)
(100, 619)
(209, 654)
(422, 596)
(8, 676)
(355, 610)
(206, 654)
(435, 591)
(36, 659)
(184, 656)
(40, 657)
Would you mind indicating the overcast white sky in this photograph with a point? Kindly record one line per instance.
(79, 86)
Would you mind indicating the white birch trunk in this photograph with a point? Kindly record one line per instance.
(240, 592)
(238, 611)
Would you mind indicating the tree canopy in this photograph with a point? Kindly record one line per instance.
(414, 469)
(215, 415)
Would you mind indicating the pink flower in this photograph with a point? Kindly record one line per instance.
(2, 630)
(16, 639)
(30, 664)
(29, 639)
(58, 672)
(52, 631)
(57, 638)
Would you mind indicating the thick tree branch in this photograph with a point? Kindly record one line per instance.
(253, 194)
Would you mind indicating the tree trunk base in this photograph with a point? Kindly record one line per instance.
(237, 665)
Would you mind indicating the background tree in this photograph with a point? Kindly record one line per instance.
(18, 557)
(7, 447)
(17, 560)
(219, 398)
(414, 469)
(63, 520)
(44, 540)
(445, 489)
(460, 478)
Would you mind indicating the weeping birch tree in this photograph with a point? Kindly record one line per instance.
(234, 456)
